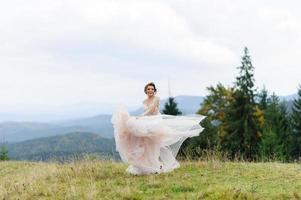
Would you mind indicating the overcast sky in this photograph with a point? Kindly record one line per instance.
(62, 52)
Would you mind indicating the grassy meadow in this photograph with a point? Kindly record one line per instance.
(94, 179)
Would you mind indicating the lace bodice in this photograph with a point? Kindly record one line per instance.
(151, 106)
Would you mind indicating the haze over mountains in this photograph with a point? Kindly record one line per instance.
(11, 131)
(99, 124)
(75, 137)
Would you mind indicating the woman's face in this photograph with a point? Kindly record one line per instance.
(150, 91)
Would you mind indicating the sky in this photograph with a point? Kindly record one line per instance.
(58, 53)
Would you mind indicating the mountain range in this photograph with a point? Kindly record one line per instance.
(62, 147)
(63, 139)
(100, 124)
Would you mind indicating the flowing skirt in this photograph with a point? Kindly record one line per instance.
(149, 144)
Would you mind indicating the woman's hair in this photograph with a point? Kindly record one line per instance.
(150, 84)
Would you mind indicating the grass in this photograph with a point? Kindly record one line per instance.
(93, 179)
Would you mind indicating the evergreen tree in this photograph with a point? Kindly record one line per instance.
(285, 131)
(244, 118)
(3, 153)
(170, 107)
(263, 99)
(275, 140)
(296, 127)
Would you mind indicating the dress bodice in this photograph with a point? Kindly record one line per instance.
(151, 106)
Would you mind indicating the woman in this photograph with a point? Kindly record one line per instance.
(151, 141)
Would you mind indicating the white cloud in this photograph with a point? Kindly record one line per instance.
(145, 25)
(55, 52)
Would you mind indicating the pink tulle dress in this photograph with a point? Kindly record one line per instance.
(150, 142)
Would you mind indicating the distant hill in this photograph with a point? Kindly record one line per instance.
(39, 113)
(187, 104)
(62, 147)
(100, 124)
(21, 131)
(288, 97)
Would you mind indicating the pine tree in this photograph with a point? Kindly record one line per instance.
(285, 131)
(263, 99)
(3, 153)
(171, 107)
(244, 117)
(276, 132)
(296, 127)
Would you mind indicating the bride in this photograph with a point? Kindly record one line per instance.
(150, 142)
